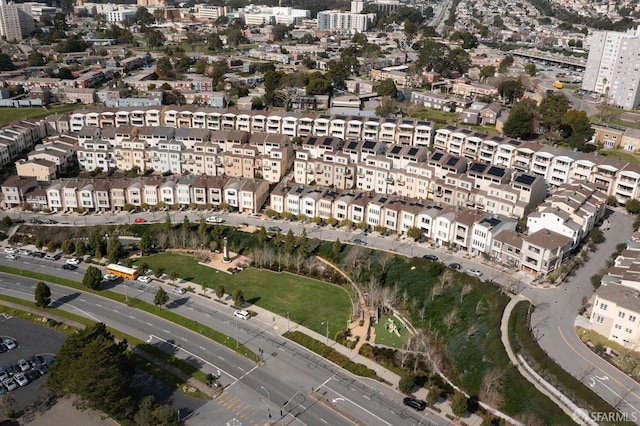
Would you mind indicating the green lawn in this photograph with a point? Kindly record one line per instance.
(12, 114)
(309, 302)
(435, 115)
(622, 155)
(384, 337)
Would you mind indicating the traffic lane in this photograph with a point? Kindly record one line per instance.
(33, 339)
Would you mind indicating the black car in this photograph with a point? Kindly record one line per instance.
(360, 242)
(430, 257)
(38, 254)
(274, 229)
(3, 348)
(35, 221)
(455, 266)
(11, 369)
(69, 267)
(32, 375)
(416, 404)
(49, 221)
(42, 369)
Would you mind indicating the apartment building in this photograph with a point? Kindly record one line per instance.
(543, 251)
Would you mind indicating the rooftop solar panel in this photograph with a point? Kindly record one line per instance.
(369, 145)
(525, 179)
(437, 156)
(478, 167)
(396, 149)
(413, 151)
(496, 171)
(452, 161)
(466, 131)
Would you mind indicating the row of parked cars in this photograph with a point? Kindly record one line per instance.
(23, 372)
(458, 267)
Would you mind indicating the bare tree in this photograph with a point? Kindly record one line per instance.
(436, 291)
(466, 289)
(472, 330)
(529, 419)
(491, 389)
(445, 278)
(450, 318)
(402, 357)
(384, 259)
(481, 307)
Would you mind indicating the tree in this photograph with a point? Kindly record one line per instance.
(520, 121)
(144, 17)
(279, 32)
(65, 73)
(387, 88)
(632, 205)
(510, 89)
(36, 59)
(531, 69)
(505, 64)
(174, 276)
(407, 382)
(578, 124)
(214, 43)
(238, 297)
(487, 71)
(304, 248)
(186, 223)
(336, 247)
(387, 106)
(414, 232)
(220, 291)
(6, 64)
(80, 248)
(154, 38)
(115, 251)
(262, 236)
(67, 247)
(459, 404)
(42, 295)
(92, 278)
(164, 68)
(434, 394)
(256, 103)
(167, 223)
(161, 297)
(552, 109)
(289, 242)
(145, 244)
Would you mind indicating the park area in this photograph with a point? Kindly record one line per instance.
(390, 332)
(309, 302)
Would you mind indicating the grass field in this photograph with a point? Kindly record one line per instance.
(309, 302)
(622, 155)
(7, 115)
(384, 337)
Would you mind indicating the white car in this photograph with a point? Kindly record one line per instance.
(10, 343)
(9, 384)
(474, 272)
(179, 290)
(109, 277)
(214, 219)
(24, 365)
(10, 250)
(73, 261)
(144, 279)
(24, 252)
(11, 257)
(242, 314)
(19, 377)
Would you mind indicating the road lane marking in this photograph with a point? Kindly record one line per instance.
(116, 311)
(365, 396)
(184, 339)
(202, 348)
(132, 317)
(166, 331)
(323, 421)
(97, 304)
(221, 357)
(82, 300)
(149, 324)
(594, 365)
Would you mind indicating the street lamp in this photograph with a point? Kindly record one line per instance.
(282, 413)
(237, 343)
(327, 323)
(268, 404)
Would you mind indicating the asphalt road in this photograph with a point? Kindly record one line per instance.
(290, 371)
(553, 323)
(32, 340)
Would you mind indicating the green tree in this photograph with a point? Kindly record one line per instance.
(486, 72)
(115, 251)
(164, 68)
(144, 17)
(143, 268)
(36, 59)
(262, 236)
(154, 38)
(332, 221)
(214, 43)
(238, 297)
(289, 242)
(387, 106)
(161, 297)
(531, 69)
(92, 278)
(174, 276)
(510, 89)
(220, 291)
(362, 225)
(186, 223)
(304, 248)
(434, 394)
(145, 244)
(257, 103)
(336, 247)
(459, 404)
(632, 205)
(279, 32)
(6, 64)
(64, 73)
(167, 223)
(552, 109)
(42, 295)
(579, 126)
(68, 247)
(80, 248)
(414, 232)
(520, 121)
(387, 88)
(407, 382)
(505, 64)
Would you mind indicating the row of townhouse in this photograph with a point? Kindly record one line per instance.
(470, 230)
(63, 195)
(196, 151)
(291, 124)
(616, 307)
(556, 166)
(19, 137)
(54, 157)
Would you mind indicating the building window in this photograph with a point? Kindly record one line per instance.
(621, 314)
(603, 306)
(632, 318)
(618, 327)
(600, 319)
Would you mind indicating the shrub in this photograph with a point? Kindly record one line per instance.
(407, 382)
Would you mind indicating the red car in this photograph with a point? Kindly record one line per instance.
(139, 220)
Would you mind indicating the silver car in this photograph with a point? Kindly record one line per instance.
(9, 384)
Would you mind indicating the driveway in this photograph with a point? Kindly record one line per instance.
(553, 325)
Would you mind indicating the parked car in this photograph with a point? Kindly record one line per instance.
(35, 221)
(36, 361)
(38, 254)
(9, 384)
(42, 369)
(109, 277)
(3, 374)
(20, 379)
(474, 272)
(274, 229)
(416, 404)
(24, 252)
(24, 365)
(214, 219)
(144, 279)
(242, 314)
(52, 256)
(139, 220)
(431, 257)
(11, 369)
(3, 349)
(69, 267)
(10, 250)
(359, 242)
(32, 375)
(10, 343)
(73, 261)
(455, 266)
(179, 290)
(49, 221)
(11, 257)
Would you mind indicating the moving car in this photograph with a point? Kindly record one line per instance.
(49, 222)
(69, 267)
(416, 404)
(73, 261)
(11, 257)
(242, 314)
(109, 277)
(52, 256)
(23, 364)
(38, 254)
(144, 279)
(274, 229)
(20, 379)
(214, 219)
(455, 266)
(10, 250)
(179, 290)
(10, 343)
(360, 242)
(24, 252)
(139, 220)
(474, 272)
(431, 257)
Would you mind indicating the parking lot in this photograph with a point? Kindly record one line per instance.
(32, 340)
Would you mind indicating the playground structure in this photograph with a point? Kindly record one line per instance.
(391, 327)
